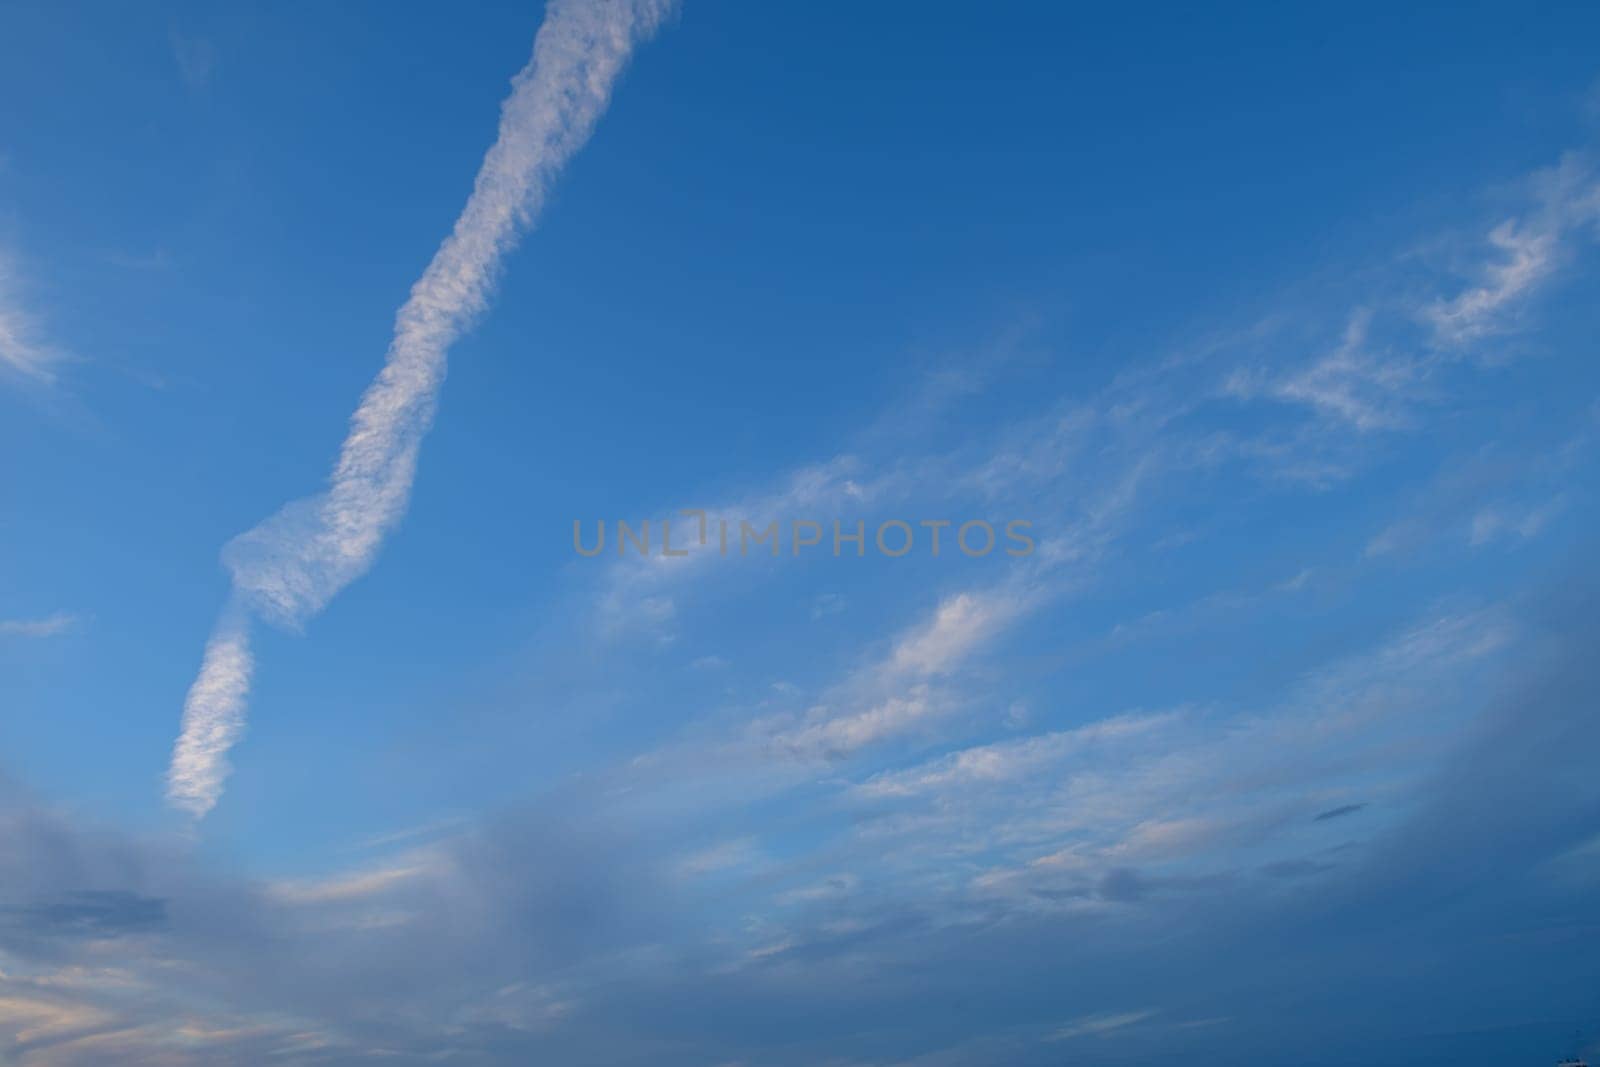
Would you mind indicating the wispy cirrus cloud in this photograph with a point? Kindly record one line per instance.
(1072, 811)
(537, 921)
(196, 59)
(902, 691)
(1354, 384)
(26, 354)
(49, 626)
(1086, 469)
(1101, 1025)
(289, 567)
(1109, 453)
(1106, 456)
(1498, 496)
(1526, 256)
(1527, 251)
(1006, 761)
(1375, 376)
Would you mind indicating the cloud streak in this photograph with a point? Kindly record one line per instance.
(289, 567)
(213, 717)
(1528, 252)
(24, 352)
(52, 626)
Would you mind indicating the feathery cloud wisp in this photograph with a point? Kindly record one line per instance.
(23, 351)
(287, 569)
(1529, 251)
(1100, 1025)
(51, 626)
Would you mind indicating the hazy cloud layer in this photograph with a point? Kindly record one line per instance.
(509, 939)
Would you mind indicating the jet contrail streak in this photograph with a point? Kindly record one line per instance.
(286, 569)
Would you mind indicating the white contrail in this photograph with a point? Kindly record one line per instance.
(213, 715)
(287, 569)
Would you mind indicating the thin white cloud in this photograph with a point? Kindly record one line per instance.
(358, 886)
(25, 353)
(1374, 377)
(1495, 496)
(1181, 790)
(635, 587)
(196, 59)
(910, 686)
(1352, 383)
(723, 856)
(1007, 760)
(1092, 463)
(50, 626)
(1100, 1025)
(289, 567)
(1527, 252)
(894, 695)
(833, 887)
(1495, 524)
(827, 604)
(959, 625)
(1527, 258)
(827, 735)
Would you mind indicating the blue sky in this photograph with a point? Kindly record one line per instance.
(319, 743)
